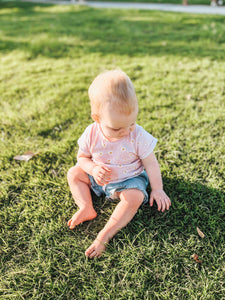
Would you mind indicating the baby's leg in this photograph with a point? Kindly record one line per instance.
(80, 188)
(130, 201)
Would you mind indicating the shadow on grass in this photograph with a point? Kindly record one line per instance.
(193, 205)
(41, 30)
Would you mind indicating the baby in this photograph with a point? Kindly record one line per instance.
(115, 159)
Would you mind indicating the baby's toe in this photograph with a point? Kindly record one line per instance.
(71, 224)
(93, 254)
(95, 250)
(90, 251)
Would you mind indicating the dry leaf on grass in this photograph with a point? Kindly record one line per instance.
(188, 97)
(195, 257)
(201, 234)
(26, 156)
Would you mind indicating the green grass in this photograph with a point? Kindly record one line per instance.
(190, 2)
(49, 56)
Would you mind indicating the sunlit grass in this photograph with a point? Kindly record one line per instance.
(190, 2)
(49, 56)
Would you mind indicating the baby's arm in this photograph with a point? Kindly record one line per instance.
(101, 174)
(152, 168)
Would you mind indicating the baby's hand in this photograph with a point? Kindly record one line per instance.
(101, 174)
(162, 200)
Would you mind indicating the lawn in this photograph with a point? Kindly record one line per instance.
(190, 2)
(49, 56)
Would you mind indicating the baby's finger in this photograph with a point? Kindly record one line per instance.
(163, 202)
(101, 181)
(106, 177)
(159, 203)
(104, 173)
(151, 200)
(107, 169)
(168, 203)
(103, 178)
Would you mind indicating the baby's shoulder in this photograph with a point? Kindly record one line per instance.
(91, 129)
(140, 134)
(139, 131)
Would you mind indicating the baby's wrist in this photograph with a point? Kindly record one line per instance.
(157, 189)
(92, 169)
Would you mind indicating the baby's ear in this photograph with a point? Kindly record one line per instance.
(95, 118)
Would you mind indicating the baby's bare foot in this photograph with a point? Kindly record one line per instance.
(96, 249)
(81, 216)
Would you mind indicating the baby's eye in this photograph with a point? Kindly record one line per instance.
(116, 129)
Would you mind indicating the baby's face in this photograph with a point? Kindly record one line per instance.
(116, 125)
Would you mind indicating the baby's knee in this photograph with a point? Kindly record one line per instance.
(73, 173)
(133, 196)
(77, 175)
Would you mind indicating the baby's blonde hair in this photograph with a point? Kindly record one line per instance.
(113, 87)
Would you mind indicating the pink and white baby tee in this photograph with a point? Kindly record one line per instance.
(123, 156)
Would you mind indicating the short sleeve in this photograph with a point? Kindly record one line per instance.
(84, 141)
(145, 143)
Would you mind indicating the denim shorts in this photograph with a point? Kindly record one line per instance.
(139, 182)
